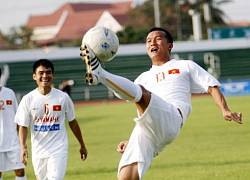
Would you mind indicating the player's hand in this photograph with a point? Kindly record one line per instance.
(24, 156)
(229, 116)
(86, 52)
(122, 146)
(84, 153)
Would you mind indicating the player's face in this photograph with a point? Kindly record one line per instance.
(43, 76)
(157, 46)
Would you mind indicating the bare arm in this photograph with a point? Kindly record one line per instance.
(23, 134)
(5, 75)
(74, 126)
(220, 101)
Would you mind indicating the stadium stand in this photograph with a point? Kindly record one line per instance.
(228, 61)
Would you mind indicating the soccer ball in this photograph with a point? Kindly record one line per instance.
(103, 42)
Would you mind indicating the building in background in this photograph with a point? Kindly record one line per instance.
(73, 20)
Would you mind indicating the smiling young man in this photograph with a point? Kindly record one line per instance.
(45, 109)
(162, 96)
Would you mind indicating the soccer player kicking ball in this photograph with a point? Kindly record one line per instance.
(45, 110)
(162, 96)
(9, 144)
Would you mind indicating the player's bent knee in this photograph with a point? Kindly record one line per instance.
(19, 172)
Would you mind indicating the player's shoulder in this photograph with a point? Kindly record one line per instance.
(30, 95)
(55, 90)
(59, 93)
(184, 63)
(181, 61)
(143, 74)
(7, 90)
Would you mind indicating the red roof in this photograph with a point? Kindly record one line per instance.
(81, 17)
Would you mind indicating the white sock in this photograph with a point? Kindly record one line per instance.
(122, 87)
(1, 178)
(20, 178)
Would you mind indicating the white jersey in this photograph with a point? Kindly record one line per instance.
(175, 81)
(8, 128)
(46, 116)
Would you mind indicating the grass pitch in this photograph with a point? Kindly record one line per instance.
(207, 148)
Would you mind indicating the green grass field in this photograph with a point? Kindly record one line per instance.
(208, 147)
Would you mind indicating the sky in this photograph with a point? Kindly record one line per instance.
(14, 13)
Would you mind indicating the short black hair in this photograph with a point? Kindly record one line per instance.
(43, 62)
(168, 35)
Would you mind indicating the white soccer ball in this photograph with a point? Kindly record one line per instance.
(103, 41)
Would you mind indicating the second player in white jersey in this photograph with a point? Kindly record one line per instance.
(45, 110)
(46, 114)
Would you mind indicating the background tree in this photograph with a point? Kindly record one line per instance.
(131, 35)
(173, 16)
(216, 14)
(19, 38)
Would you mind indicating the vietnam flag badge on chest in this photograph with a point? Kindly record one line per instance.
(9, 102)
(57, 107)
(174, 71)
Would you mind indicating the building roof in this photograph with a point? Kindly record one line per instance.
(73, 20)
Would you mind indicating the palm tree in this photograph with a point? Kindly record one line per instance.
(211, 16)
(216, 13)
(174, 16)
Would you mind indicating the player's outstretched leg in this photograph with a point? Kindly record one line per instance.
(122, 87)
(92, 65)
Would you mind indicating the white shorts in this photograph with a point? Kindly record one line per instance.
(50, 168)
(155, 129)
(10, 161)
